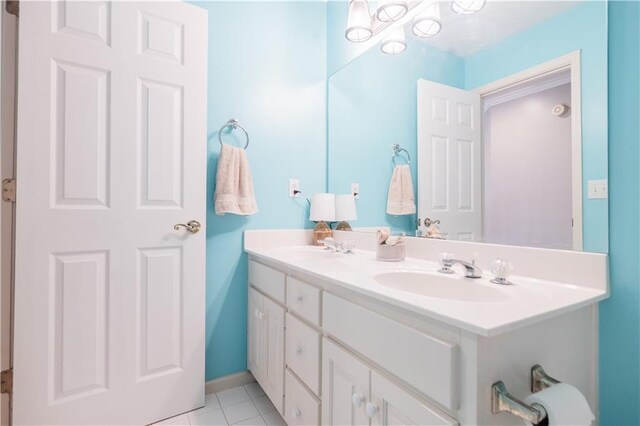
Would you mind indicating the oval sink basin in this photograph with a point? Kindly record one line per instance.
(426, 284)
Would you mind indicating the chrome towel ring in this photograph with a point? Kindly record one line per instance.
(396, 153)
(233, 123)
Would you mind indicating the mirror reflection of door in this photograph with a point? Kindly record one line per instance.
(449, 159)
(509, 172)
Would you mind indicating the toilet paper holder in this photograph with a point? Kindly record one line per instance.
(503, 401)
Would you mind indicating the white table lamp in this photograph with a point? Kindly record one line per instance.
(345, 211)
(323, 210)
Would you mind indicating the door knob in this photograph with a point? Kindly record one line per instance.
(371, 409)
(192, 226)
(357, 399)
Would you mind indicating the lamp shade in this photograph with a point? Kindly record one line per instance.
(427, 23)
(391, 10)
(323, 208)
(358, 22)
(467, 7)
(346, 207)
(395, 43)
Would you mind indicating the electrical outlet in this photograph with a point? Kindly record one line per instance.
(294, 185)
(355, 190)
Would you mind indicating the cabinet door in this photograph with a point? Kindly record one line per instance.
(272, 364)
(345, 387)
(392, 405)
(254, 333)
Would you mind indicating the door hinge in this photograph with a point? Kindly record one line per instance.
(9, 190)
(6, 381)
(13, 7)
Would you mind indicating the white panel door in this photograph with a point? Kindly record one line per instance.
(345, 387)
(392, 405)
(109, 303)
(450, 159)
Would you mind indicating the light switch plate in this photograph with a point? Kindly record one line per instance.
(598, 189)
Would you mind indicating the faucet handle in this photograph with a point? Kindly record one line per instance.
(501, 269)
(446, 261)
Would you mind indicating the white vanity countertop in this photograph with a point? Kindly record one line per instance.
(483, 308)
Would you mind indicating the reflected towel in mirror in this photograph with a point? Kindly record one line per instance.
(234, 184)
(400, 200)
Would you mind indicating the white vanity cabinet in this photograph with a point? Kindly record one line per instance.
(311, 379)
(339, 339)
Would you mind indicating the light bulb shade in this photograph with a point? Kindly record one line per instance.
(391, 10)
(427, 23)
(467, 7)
(395, 43)
(358, 22)
(323, 208)
(346, 207)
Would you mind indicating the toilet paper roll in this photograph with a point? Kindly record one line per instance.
(565, 405)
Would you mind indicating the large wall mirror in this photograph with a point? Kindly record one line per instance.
(502, 114)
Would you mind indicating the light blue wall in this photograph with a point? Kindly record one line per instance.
(371, 106)
(267, 68)
(620, 315)
(583, 27)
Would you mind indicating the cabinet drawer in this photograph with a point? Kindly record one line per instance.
(267, 280)
(303, 352)
(427, 363)
(301, 408)
(303, 299)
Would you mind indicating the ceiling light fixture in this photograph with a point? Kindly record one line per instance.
(391, 10)
(467, 7)
(395, 43)
(427, 23)
(358, 22)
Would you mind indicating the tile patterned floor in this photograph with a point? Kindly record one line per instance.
(244, 405)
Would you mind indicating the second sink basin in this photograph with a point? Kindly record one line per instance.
(426, 284)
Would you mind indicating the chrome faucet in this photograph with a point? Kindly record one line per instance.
(471, 270)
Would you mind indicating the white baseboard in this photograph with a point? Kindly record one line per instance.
(228, 382)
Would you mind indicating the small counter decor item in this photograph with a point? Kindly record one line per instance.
(390, 248)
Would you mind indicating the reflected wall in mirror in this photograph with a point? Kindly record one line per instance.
(503, 113)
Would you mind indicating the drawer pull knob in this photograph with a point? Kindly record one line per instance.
(296, 413)
(357, 400)
(298, 350)
(371, 409)
(299, 298)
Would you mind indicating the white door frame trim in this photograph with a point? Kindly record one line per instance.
(571, 62)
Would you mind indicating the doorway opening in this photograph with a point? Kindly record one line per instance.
(531, 125)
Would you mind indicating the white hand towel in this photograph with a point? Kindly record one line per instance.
(234, 185)
(400, 199)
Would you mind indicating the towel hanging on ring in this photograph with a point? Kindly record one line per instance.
(400, 200)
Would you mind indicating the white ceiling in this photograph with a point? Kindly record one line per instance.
(465, 35)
